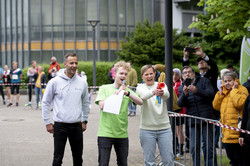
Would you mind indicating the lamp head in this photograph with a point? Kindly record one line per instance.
(93, 23)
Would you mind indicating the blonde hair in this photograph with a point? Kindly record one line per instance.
(122, 64)
(14, 62)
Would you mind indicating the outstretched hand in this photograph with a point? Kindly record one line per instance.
(199, 52)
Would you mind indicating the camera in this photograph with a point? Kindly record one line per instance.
(187, 81)
(190, 50)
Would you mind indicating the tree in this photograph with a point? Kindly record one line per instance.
(144, 45)
(229, 18)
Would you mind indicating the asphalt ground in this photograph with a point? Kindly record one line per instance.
(24, 140)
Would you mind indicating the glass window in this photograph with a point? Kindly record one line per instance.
(9, 60)
(13, 21)
(122, 19)
(131, 13)
(113, 55)
(92, 10)
(80, 55)
(3, 17)
(35, 56)
(80, 19)
(92, 15)
(57, 20)
(3, 58)
(25, 19)
(90, 55)
(46, 56)
(46, 20)
(113, 21)
(19, 21)
(139, 12)
(35, 20)
(187, 20)
(20, 59)
(148, 11)
(69, 14)
(59, 57)
(104, 20)
(8, 20)
(26, 59)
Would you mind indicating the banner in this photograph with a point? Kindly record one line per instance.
(244, 60)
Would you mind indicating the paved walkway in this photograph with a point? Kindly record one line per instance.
(24, 140)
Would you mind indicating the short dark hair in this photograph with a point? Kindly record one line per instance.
(186, 67)
(71, 54)
(230, 66)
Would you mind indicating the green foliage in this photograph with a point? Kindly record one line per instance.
(102, 69)
(145, 45)
(229, 18)
(180, 41)
(25, 79)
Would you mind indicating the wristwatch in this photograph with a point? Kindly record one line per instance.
(128, 93)
(85, 122)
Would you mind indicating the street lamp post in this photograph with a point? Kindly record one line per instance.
(93, 23)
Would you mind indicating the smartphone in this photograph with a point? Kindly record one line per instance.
(187, 82)
(190, 50)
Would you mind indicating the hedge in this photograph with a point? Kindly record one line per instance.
(102, 69)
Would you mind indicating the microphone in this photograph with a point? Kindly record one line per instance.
(124, 82)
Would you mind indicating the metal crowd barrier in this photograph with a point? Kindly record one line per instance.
(186, 158)
(199, 124)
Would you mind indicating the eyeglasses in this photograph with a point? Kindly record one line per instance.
(187, 72)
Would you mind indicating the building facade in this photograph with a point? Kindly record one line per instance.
(38, 29)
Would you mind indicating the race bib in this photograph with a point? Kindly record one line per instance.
(5, 79)
(14, 77)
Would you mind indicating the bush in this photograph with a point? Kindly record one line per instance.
(102, 69)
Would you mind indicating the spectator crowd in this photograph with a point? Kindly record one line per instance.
(203, 94)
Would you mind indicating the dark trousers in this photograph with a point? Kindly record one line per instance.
(175, 139)
(105, 146)
(207, 143)
(30, 87)
(246, 154)
(73, 132)
(234, 153)
(1, 91)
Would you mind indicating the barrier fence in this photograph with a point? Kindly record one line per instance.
(205, 135)
(89, 87)
(202, 135)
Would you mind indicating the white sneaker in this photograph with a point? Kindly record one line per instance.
(179, 156)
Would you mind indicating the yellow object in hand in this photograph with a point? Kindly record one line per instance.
(43, 90)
